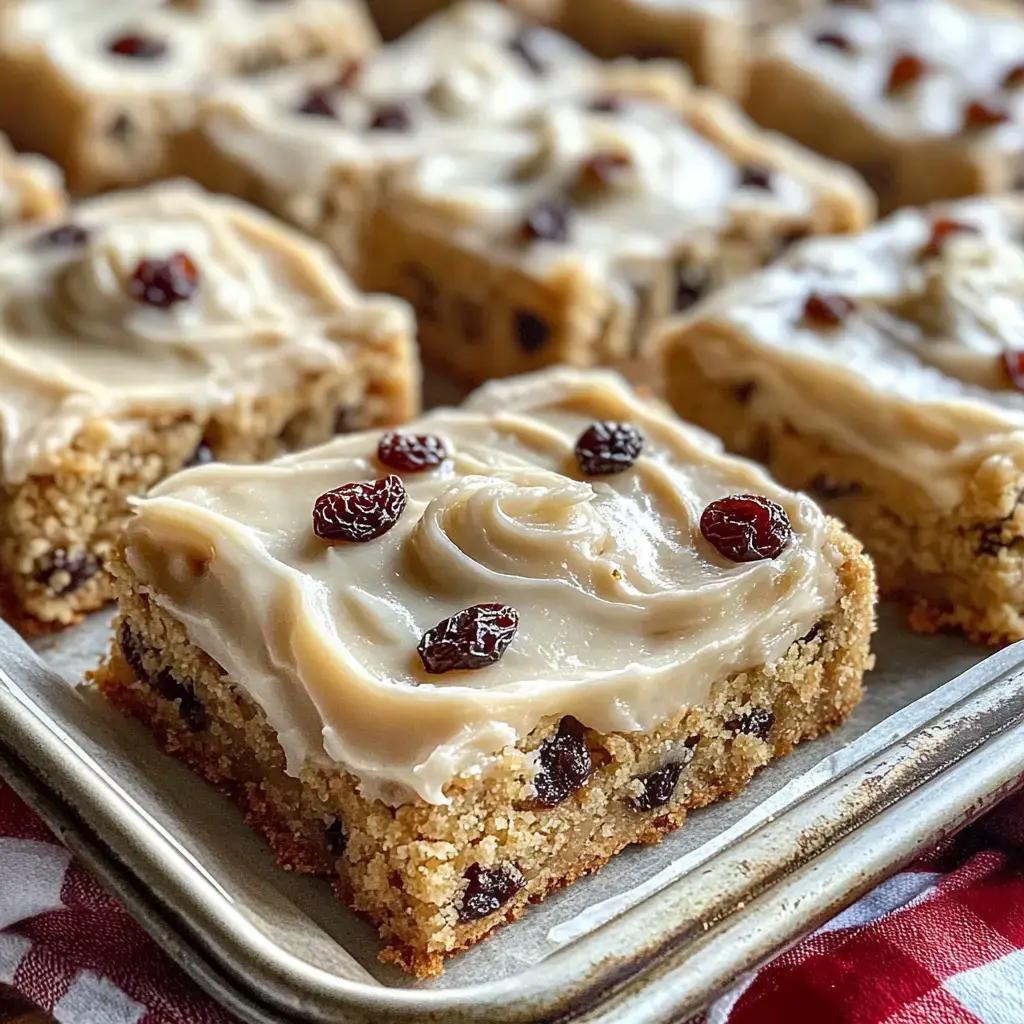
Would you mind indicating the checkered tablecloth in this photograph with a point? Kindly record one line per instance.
(939, 943)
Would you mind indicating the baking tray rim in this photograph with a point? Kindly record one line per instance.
(977, 739)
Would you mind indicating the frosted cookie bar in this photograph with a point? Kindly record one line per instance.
(31, 187)
(315, 144)
(883, 375)
(160, 328)
(395, 19)
(562, 240)
(100, 88)
(924, 98)
(457, 667)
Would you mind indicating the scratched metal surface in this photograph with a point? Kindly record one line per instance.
(652, 937)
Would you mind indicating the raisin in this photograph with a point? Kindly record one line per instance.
(834, 41)
(360, 511)
(201, 456)
(607, 447)
(1013, 364)
(411, 453)
(318, 103)
(546, 222)
(391, 117)
(473, 638)
(163, 283)
(757, 723)
(746, 527)
(827, 309)
(532, 332)
(602, 171)
(1014, 78)
(79, 569)
(605, 105)
(131, 651)
(64, 235)
(941, 230)
(756, 176)
(488, 890)
(825, 487)
(744, 392)
(691, 284)
(336, 836)
(563, 763)
(658, 786)
(138, 47)
(524, 46)
(190, 707)
(906, 69)
(978, 114)
(121, 127)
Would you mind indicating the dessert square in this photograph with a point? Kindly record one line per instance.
(155, 329)
(562, 239)
(924, 99)
(316, 144)
(101, 88)
(883, 374)
(455, 668)
(31, 188)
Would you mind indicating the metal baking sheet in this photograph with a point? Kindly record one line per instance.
(655, 935)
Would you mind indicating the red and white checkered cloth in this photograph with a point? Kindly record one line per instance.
(939, 943)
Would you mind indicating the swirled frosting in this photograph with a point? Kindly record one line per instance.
(915, 378)
(626, 614)
(77, 345)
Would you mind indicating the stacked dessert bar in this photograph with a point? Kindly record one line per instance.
(159, 328)
(535, 205)
(883, 374)
(454, 668)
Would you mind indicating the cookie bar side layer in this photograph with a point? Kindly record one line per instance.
(437, 879)
(57, 526)
(960, 568)
(479, 319)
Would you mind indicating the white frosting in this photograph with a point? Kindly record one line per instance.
(76, 347)
(967, 48)
(677, 185)
(626, 614)
(914, 378)
(454, 75)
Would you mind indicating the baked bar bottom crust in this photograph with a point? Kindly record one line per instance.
(959, 568)
(57, 527)
(417, 870)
